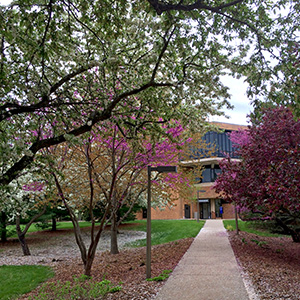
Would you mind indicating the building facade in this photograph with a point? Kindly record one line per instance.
(204, 202)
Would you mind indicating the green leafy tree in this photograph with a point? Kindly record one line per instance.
(266, 32)
(170, 54)
(24, 199)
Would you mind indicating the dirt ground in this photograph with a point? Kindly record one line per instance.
(272, 264)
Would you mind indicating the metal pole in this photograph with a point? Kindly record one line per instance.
(198, 210)
(148, 249)
(236, 220)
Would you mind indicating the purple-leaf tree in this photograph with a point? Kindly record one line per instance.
(266, 179)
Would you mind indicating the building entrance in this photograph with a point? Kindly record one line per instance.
(187, 211)
(205, 212)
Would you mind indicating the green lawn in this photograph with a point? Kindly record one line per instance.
(164, 231)
(249, 226)
(60, 225)
(18, 280)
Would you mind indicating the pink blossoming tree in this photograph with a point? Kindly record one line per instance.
(109, 170)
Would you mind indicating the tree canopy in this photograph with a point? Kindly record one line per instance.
(66, 66)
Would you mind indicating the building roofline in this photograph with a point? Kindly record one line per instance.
(229, 126)
(204, 161)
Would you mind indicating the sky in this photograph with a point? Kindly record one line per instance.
(242, 106)
(239, 99)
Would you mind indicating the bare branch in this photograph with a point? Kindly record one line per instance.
(74, 220)
(33, 220)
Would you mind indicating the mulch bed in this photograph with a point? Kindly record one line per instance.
(128, 267)
(272, 263)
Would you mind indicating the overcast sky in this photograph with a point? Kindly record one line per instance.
(241, 103)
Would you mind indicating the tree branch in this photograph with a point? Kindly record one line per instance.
(69, 4)
(161, 7)
(97, 117)
(42, 45)
(74, 220)
(45, 98)
(162, 52)
(33, 219)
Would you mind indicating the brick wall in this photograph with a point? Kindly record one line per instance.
(167, 213)
(228, 211)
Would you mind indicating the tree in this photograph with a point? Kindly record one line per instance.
(54, 211)
(261, 20)
(24, 199)
(22, 232)
(108, 171)
(153, 49)
(266, 179)
(122, 167)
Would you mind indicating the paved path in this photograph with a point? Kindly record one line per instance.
(207, 271)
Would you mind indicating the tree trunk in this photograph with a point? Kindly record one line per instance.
(3, 227)
(88, 262)
(21, 237)
(295, 236)
(24, 245)
(86, 256)
(236, 220)
(90, 259)
(53, 224)
(114, 235)
(21, 234)
(88, 267)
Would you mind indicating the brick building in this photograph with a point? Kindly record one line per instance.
(206, 202)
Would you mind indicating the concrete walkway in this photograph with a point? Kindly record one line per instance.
(207, 271)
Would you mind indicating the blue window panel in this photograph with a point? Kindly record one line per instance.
(206, 175)
(221, 143)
